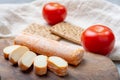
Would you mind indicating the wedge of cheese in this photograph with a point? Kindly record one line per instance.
(9, 49)
(40, 65)
(57, 65)
(26, 61)
(17, 53)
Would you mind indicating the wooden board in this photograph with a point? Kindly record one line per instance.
(93, 67)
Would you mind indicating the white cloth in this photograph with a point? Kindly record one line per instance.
(15, 17)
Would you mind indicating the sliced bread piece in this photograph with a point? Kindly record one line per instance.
(9, 49)
(40, 65)
(17, 54)
(26, 61)
(57, 65)
(68, 31)
(40, 30)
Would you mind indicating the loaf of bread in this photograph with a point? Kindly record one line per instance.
(9, 49)
(26, 61)
(16, 54)
(57, 65)
(44, 46)
(40, 65)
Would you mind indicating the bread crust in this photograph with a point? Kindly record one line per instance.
(22, 66)
(6, 56)
(40, 71)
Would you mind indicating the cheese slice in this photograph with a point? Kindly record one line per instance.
(16, 54)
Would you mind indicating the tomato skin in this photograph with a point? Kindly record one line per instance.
(54, 13)
(98, 39)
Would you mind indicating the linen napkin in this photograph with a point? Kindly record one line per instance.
(84, 13)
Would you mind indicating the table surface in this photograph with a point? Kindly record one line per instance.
(25, 1)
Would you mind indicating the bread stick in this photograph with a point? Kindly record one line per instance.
(49, 47)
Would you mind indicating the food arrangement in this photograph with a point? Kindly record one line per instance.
(39, 45)
(25, 58)
(97, 38)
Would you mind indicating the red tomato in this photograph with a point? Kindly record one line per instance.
(54, 13)
(98, 39)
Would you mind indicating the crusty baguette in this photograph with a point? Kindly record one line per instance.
(57, 65)
(26, 61)
(40, 65)
(17, 54)
(49, 47)
(9, 49)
